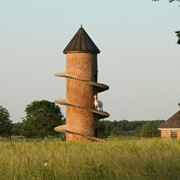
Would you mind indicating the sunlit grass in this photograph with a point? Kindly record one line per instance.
(114, 159)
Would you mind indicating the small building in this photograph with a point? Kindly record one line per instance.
(171, 127)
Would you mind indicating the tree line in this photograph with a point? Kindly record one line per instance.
(136, 128)
(42, 116)
(39, 122)
(106, 129)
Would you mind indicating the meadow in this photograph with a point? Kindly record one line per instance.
(111, 159)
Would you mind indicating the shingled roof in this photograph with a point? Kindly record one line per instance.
(172, 122)
(81, 42)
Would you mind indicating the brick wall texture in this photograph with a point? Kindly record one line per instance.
(166, 134)
(82, 66)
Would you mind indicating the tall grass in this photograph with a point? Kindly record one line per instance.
(114, 159)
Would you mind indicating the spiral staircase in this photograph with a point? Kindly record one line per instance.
(80, 87)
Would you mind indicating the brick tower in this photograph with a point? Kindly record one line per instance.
(81, 85)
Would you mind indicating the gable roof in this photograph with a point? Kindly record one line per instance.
(172, 122)
(81, 42)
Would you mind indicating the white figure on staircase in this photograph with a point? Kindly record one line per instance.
(98, 104)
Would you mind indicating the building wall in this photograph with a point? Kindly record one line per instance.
(80, 121)
(82, 66)
(178, 134)
(79, 93)
(167, 134)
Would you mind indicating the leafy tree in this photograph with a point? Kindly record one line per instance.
(147, 130)
(169, 0)
(133, 133)
(104, 129)
(116, 131)
(126, 127)
(41, 118)
(177, 32)
(16, 129)
(5, 123)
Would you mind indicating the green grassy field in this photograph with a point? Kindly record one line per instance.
(112, 159)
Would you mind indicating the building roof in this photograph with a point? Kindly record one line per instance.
(172, 122)
(81, 42)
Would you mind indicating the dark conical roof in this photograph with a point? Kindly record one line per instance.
(172, 122)
(81, 42)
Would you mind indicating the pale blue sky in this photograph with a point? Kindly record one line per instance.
(139, 56)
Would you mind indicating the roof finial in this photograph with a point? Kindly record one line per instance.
(81, 26)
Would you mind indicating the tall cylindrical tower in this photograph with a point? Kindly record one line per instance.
(81, 85)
